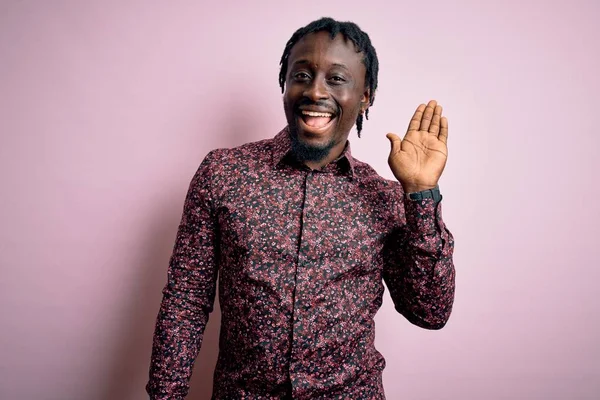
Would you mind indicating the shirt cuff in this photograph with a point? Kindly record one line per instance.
(421, 215)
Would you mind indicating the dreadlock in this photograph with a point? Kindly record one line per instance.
(350, 31)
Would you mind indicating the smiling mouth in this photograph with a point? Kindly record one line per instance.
(316, 120)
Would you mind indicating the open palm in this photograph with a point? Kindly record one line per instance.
(418, 160)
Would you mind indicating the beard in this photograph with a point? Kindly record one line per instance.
(305, 152)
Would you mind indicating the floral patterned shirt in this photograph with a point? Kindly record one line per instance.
(301, 256)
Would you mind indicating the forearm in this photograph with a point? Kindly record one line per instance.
(177, 339)
(421, 277)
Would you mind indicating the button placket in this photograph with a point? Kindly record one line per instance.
(300, 298)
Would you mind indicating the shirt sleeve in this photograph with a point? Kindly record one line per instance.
(418, 267)
(188, 296)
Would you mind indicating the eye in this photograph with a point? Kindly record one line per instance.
(337, 79)
(301, 76)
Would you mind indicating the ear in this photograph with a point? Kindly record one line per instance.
(365, 100)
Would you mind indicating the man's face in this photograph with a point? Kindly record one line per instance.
(324, 91)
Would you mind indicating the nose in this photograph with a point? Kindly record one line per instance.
(316, 90)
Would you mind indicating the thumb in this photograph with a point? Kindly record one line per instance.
(395, 142)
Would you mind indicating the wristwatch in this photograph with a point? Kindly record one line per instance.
(427, 194)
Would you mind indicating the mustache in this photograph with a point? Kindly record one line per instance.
(319, 104)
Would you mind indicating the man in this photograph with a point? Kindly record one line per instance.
(302, 236)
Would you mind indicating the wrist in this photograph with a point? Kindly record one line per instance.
(426, 194)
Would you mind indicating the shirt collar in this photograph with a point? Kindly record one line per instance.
(282, 145)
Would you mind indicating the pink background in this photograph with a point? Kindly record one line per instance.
(108, 107)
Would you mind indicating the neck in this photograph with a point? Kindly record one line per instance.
(334, 153)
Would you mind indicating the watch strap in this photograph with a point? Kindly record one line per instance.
(427, 194)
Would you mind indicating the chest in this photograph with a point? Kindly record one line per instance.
(286, 213)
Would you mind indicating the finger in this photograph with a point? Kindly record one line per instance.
(427, 115)
(443, 136)
(415, 122)
(395, 142)
(434, 128)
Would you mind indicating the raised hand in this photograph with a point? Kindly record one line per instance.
(418, 160)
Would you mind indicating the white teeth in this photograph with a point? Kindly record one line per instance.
(317, 114)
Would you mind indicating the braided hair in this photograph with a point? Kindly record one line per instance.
(350, 31)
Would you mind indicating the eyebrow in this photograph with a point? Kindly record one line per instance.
(343, 66)
(305, 61)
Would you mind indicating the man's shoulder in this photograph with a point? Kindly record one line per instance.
(247, 154)
(369, 176)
